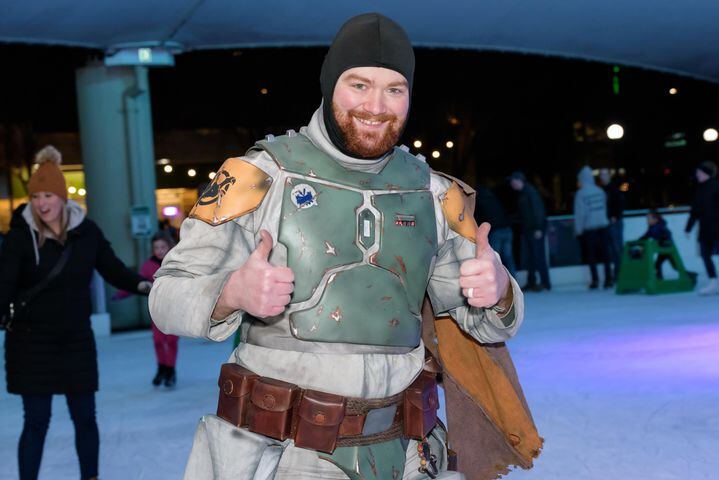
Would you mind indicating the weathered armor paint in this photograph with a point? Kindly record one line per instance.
(383, 460)
(360, 245)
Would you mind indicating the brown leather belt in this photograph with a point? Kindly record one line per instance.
(318, 420)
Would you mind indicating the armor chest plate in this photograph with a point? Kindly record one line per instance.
(360, 245)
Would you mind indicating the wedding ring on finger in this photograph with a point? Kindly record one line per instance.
(470, 292)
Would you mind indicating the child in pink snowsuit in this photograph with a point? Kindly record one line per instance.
(165, 345)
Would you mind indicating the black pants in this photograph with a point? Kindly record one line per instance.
(37, 420)
(536, 259)
(661, 258)
(596, 243)
(706, 247)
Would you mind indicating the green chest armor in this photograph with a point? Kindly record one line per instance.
(360, 245)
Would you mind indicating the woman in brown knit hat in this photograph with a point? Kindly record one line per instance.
(48, 195)
(49, 346)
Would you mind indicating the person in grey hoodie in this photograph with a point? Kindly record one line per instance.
(590, 225)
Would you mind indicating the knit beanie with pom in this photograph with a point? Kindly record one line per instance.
(48, 177)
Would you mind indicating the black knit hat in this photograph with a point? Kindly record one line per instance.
(367, 40)
(708, 167)
(517, 175)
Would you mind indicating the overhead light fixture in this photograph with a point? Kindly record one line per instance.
(449, 144)
(211, 175)
(711, 135)
(417, 143)
(435, 154)
(168, 168)
(163, 161)
(673, 91)
(170, 211)
(615, 131)
(82, 192)
(191, 172)
(140, 55)
(71, 190)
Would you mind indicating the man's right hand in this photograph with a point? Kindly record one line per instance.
(257, 287)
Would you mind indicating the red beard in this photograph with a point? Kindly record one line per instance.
(368, 144)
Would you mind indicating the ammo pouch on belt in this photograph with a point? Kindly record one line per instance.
(420, 406)
(314, 419)
(319, 417)
(271, 405)
(235, 384)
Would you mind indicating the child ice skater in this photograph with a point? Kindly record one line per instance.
(165, 345)
(657, 230)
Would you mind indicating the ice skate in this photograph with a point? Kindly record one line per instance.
(159, 376)
(711, 288)
(170, 377)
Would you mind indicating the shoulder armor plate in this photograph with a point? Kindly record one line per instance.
(237, 189)
(458, 209)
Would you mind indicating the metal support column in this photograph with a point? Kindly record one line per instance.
(118, 159)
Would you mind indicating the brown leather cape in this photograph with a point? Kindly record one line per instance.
(489, 423)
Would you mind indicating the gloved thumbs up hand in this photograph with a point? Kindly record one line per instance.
(257, 287)
(483, 279)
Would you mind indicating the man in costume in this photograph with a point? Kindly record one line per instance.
(321, 247)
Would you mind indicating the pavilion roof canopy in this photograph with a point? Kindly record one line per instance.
(675, 36)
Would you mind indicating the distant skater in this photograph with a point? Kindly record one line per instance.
(165, 345)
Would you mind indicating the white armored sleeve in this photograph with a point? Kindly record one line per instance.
(193, 273)
(484, 325)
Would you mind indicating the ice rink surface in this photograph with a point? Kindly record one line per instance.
(621, 387)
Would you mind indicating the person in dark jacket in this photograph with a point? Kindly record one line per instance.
(49, 346)
(705, 210)
(489, 209)
(616, 202)
(533, 222)
(657, 230)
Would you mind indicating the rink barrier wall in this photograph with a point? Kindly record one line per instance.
(635, 225)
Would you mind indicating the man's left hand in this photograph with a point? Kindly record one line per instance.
(144, 287)
(484, 280)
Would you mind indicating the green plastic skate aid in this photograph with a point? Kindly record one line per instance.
(637, 274)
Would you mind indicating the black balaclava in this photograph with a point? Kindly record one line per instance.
(367, 40)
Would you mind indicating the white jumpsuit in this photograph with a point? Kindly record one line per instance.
(189, 284)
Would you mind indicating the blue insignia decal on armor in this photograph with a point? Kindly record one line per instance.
(303, 196)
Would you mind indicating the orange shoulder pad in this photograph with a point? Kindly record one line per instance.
(458, 209)
(237, 189)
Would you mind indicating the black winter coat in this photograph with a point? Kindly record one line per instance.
(51, 348)
(615, 200)
(488, 208)
(659, 232)
(705, 209)
(532, 214)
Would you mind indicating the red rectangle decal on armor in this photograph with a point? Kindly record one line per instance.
(404, 220)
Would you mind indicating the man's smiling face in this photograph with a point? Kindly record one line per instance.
(370, 105)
